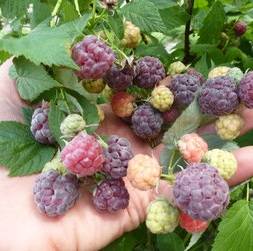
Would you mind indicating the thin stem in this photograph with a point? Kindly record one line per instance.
(77, 7)
(56, 8)
(171, 160)
(94, 10)
(187, 33)
(247, 194)
(65, 101)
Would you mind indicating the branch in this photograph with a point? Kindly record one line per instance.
(187, 56)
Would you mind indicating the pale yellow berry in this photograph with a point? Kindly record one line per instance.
(55, 164)
(176, 68)
(162, 98)
(94, 86)
(223, 161)
(219, 71)
(228, 127)
(132, 35)
(143, 172)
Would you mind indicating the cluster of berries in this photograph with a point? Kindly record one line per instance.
(57, 188)
(200, 191)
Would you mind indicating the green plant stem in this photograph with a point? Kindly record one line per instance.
(77, 7)
(65, 101)
(247, 194)
(187, 55)
(171, 161)
(94, 11)
(186, 238)
(56, 8)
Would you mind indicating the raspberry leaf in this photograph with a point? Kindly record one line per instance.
(188, 122)
(32, 80)
(27, 114)
(47, 45)
(55, 117)
(13, 8)
(19, 152)
(235, 230)
(171, 240)
(145, 15)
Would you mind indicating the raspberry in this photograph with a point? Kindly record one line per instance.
(192, 72)
(191, 225)
(246, 90)
(143, 172)
(94, 86)
(184, 87)
(39, 125)
(117, 155)
(71, 125)
(132, 35)
(93, 56)
(162, 217)
(54, 194)
(56, 165)
(200, 192)
(219, 71)
(146, 122)
(240, 28)
(192, 147)
(236, 74)
(122, 104)
(107, 93)
(176, 68)
(83, 155)
(223, 161)
(111, 195)
(218, 96)
(119, 79)
(228, 127)
(171, 115)
(149, 71)
(162, 98)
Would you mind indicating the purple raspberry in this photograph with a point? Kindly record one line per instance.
(184, 88)
(218, 96)
(54, 194)
(117, 155)
(119, 79)
(171, 115)
(246, 90)
(93, 56)
(147, 122)
(240, 28)
(193, 72)
(149, 72)
(200, 192)
(111, 195)
(39, 125)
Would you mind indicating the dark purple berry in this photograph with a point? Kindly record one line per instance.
(147, 122)
(201, 192)
(93, 56)
(111, 195)
(54, 194)
(218, 96)
(240, 28)
(117, 155)
(171, 115)
(246, 90)
(119, 79)
(149, 72)
(184, 88)
(39, 125)
(194, 73)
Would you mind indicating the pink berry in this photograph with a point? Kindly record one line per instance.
(240, 28)
(83, 155)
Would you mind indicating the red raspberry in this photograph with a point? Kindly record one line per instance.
(240, 28)
(191, 225)
(171, 115)
(83, 155)
(122, 104)
(93, 56)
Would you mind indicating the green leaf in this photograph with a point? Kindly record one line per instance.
(41, 12)
(14, 8)
(213, 24)
(203, 65)
(236, 228)
(47, 45)
(19, 152)
(145, 15)
(200, 3)
(174, 16)
(55, 117)
(27, 114)
(194, 239)
(68, 11)
(32, 80)
(162, 4)
(116, 24)
(188, 122)
(171, 242)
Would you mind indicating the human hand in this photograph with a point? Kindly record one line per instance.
(82, 228)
